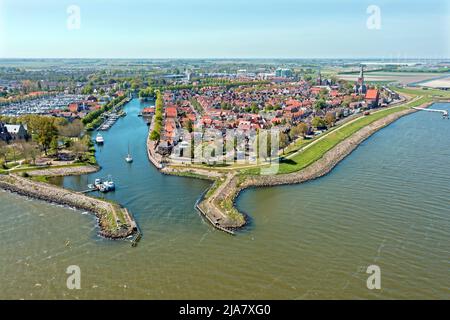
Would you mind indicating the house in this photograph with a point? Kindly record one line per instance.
(148, 111)
(372, 97)
(92, 98)
(171, 112)
(74, 107)
(4, 134)
(17, 131)
(164, 148)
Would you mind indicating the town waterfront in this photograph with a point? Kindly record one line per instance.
(386, 204)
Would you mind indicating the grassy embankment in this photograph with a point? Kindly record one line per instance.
(318, 149)
(312, 153)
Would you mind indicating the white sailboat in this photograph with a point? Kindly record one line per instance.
(129, 158)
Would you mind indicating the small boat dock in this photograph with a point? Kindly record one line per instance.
(101, 185)
(110, 120)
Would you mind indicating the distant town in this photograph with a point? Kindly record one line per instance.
(299, 98)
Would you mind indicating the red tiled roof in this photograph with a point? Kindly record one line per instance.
(372, 94)
(148, 110)
(171, 112)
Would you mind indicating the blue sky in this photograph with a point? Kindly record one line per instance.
(224, 29)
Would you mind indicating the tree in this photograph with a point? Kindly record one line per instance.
(13, 149)
(54, 144)
(45, 132)
(346, 102)
(263, 137)
(299, 130)
(189, 126)
(323, 93)
(318, 122)
(154, 135)
(4, 150)
(284, 140)
(79, 148)
(330, 119)
(72, 129)
(29, 150)
(320, 104)
(88, 89)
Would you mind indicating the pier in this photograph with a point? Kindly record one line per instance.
(137, 231)
(443, 112)
(111, 119)
(115, 222)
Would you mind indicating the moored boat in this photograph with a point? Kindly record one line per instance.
(99, 139)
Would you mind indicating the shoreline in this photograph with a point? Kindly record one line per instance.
(217, 204)
(64, 171)
(322, 166)
(232, 188)
(213, 216)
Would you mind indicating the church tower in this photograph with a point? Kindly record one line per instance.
(360, 85)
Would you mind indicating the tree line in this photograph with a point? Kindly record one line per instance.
(158, 121)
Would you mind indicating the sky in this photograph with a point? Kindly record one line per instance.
(225, 29)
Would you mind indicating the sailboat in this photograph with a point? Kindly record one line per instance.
(129, 159)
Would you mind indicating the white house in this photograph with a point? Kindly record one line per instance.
(17, 131)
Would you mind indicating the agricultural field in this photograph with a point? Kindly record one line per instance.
(401, 78)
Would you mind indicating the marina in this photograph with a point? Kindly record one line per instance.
(110, 120)
(41, 105)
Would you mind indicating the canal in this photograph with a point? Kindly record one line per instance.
(386, 204)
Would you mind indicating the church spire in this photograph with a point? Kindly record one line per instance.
(361, 75)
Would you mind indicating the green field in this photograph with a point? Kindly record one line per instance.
(430, 93)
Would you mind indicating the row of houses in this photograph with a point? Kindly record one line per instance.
(249, 108)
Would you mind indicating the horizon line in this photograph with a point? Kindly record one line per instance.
(225, 58)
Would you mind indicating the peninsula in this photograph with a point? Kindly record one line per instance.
(307, 160)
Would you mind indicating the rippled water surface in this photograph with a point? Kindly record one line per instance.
(387, 204)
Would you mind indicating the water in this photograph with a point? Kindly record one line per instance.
(386, 204)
